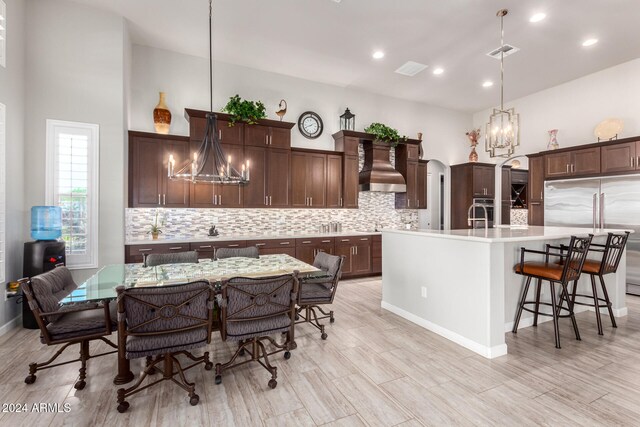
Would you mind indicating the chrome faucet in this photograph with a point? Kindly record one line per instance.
(472, 219)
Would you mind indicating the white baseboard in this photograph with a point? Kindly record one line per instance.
(485, 351)
(13, 323)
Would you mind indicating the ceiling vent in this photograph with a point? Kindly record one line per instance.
(411, 68)
(507, 49)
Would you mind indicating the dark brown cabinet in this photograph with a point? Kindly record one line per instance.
(308, 179)
(269, 183)
(226, 134)
(149, 184)
(376, 254)
(267, 136)
(307, 249)
(204, 195)
(484, 181)
(414, 173)
(421, 188)
(620, 157)
(536, 189)
(469, 181)
(274, 246)
(334, 181)
(350, 179)
(136, 253)
(572, 163)
(357, 253)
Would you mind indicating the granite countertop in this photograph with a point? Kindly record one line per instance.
(508, 233)
(246, 236)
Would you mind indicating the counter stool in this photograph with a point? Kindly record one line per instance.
(555, 273)
(611, 252)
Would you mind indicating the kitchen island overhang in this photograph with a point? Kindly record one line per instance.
(460, 284)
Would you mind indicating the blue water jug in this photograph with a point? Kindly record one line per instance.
(46, 222)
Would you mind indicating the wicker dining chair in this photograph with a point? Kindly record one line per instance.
(66, 324)
(561, 273)
(251, 311)
(164, 321)
(248, 252)
(152, 260)
(321, 291)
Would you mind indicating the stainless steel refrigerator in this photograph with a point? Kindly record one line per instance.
(611, 202)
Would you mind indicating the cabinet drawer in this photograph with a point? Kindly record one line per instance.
(272, 243)
(288, 250)
(315, 241)
(353, 240)
(231, 244)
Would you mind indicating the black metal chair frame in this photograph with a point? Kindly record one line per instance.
(258, 350)
(168, 359)
(612, 252)
(310, 306)
(83, 341)
(170, 258)
(572, 267)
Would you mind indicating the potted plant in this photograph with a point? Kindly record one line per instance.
(243, 110)
(155, 230)
(385, 134)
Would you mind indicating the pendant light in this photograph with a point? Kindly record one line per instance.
(502, 133)
(195, 169)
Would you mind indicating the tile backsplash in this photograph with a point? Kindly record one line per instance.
(374, 208)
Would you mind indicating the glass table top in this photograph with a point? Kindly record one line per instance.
(103, 284)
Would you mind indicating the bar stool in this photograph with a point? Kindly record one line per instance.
(612, 252)
(555, 273)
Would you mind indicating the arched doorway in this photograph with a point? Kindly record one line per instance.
(438, 213)
(502, 200)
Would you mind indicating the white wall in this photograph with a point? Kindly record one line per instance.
(185, 80)
(75, 71)
(575, 108)
(12, 85)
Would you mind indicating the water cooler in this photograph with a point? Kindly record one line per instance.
(43, 254)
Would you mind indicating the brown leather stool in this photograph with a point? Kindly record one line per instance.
(612, 252)
(555, 273)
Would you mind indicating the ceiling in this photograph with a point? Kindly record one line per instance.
(332, 42)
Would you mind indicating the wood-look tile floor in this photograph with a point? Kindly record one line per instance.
(374, 369)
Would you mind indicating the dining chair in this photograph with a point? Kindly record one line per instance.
(152, 260)
(248, 252)
(66, 324)
(561, 273)
(251, 311)
(164, 321)
(319, 291)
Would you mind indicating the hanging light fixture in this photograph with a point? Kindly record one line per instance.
(196, 169)
(502, 133)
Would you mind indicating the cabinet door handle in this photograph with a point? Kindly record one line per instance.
(306, 242)
(260, 244)
(220, 134)
(340, 201)
(285, 243)
(356, 249)
(266, 140)
(266, 201)
(541, 196)
(408, 203)
(175, 248)
(220, 199)
(311, 200)
(233, 246)
(270, 201)
(164, 199)
(567, 167)
(364, 239)
(159, 199)
(145, 250)
(344, 240)
(205, 247)
(535, 203)
(326, 241)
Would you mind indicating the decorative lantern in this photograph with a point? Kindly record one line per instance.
(348, 120)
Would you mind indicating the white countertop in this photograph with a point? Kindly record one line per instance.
(248, 236)
(507, 233)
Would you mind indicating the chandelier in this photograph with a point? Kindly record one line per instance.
(502, 133)
(198, 169)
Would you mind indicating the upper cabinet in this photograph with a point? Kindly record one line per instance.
(267, 136)
(308, 179)
(572, 163)
(484, 181)
(469, 181)
(623, 157)
(149, 184)
(414, 173)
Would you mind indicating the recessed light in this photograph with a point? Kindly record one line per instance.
(537, 17)
(487, 84)
(438, 71)
(589, 42)
(378, 54)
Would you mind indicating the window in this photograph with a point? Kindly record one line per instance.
(3, 33)
(72, 184)
(3, 206)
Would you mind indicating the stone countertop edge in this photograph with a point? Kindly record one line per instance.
(205, 238)
(504, 234)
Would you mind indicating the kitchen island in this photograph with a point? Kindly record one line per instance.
(460, 284)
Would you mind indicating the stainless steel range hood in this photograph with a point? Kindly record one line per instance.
(377, 173)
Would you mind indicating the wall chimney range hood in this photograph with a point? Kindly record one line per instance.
(377, 174)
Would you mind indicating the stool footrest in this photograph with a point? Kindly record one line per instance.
(591, 304)
(545, 314)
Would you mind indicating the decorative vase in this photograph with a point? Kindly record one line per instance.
(553, 140)
(473, 156)
(155, 235)
(162, 116)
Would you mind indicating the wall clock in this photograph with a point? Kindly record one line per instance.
(310, 125)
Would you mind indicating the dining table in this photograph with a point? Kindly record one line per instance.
(102, 285)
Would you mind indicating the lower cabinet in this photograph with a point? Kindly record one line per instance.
(207, 250)
(357, 253)
(136, 253)
(307, 249)
(274, 246)
(376, 254)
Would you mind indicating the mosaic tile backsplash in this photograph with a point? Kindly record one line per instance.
(374, 208)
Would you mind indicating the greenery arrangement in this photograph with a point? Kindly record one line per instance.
(243, 110)
(155, 227)
(385, 133)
